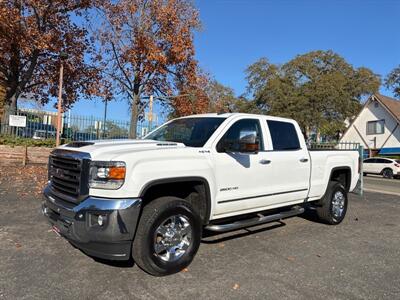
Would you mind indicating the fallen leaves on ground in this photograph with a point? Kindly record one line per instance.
(291, 258)
(25, 180)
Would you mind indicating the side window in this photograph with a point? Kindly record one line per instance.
(283, 135)
(376, 127)
(369, 161)
(239, 128)
(383, 161)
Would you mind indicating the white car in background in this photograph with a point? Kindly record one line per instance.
(387, 167)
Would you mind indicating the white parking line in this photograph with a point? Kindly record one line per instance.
(376, 178)
(381, 192)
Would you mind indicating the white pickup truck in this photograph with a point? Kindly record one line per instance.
(151, 199)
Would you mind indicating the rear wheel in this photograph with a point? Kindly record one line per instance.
(387, 173)
(168, 236)
(334, 204)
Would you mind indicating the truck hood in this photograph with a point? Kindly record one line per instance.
(110, 149)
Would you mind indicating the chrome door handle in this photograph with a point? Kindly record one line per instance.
(303, 160)
(265, 161)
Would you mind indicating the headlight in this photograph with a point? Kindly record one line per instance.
(108, 175)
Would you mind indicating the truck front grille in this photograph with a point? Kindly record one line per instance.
(68, 175)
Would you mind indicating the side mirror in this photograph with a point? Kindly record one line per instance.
(248, 142)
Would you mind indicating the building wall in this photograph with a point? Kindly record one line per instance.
(373, 112)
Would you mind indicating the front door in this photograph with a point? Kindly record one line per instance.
(369, 165)
(242, 178)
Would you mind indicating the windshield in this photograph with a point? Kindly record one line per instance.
(193, 132)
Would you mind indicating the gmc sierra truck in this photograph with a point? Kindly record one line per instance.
(151, 199)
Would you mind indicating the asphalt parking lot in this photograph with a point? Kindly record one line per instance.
(375, 183)
(295, 259)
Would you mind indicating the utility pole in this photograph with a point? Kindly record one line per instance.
(63, 56)
(150, 112)
(105, 118)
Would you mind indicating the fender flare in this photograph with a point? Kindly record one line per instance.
(203, 180)
(347, 187)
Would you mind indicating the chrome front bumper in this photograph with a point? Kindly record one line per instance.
(79, 224)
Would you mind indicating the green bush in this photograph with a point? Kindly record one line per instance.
(19, 141)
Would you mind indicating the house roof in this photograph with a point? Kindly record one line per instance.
(392, 105)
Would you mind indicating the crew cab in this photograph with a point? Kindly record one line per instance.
(151, 199)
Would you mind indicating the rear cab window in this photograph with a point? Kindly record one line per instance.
(284, 135)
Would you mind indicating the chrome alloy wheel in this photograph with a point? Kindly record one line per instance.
(338, 203)
(172, 238)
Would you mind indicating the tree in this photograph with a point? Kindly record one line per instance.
(32, 36)
(146, 47)
(319, 89)
(221, 98)
(191, 98)
(113, 130)
(392, 81)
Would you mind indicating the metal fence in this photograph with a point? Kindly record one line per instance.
(334, 146)
(43, 125)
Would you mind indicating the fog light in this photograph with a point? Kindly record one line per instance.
(100, 220)
(97, 220)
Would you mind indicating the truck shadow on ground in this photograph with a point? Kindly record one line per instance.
(311, 215)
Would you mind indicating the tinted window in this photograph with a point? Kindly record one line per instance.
(193, 132)
(383, 161)
(369, 161)
(237, 130)
(284, 135)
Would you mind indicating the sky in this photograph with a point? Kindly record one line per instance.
(236, 33)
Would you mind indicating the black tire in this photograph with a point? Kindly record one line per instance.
(153, 215)
(387, 173)
(325, 211)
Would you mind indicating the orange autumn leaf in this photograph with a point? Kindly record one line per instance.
(32, 35)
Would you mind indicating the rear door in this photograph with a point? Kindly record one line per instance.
(289, 162)
(384, 163)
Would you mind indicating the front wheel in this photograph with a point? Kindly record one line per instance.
(168, 236)
(334, 205)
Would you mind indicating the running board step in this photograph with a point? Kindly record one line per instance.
(261, 219)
